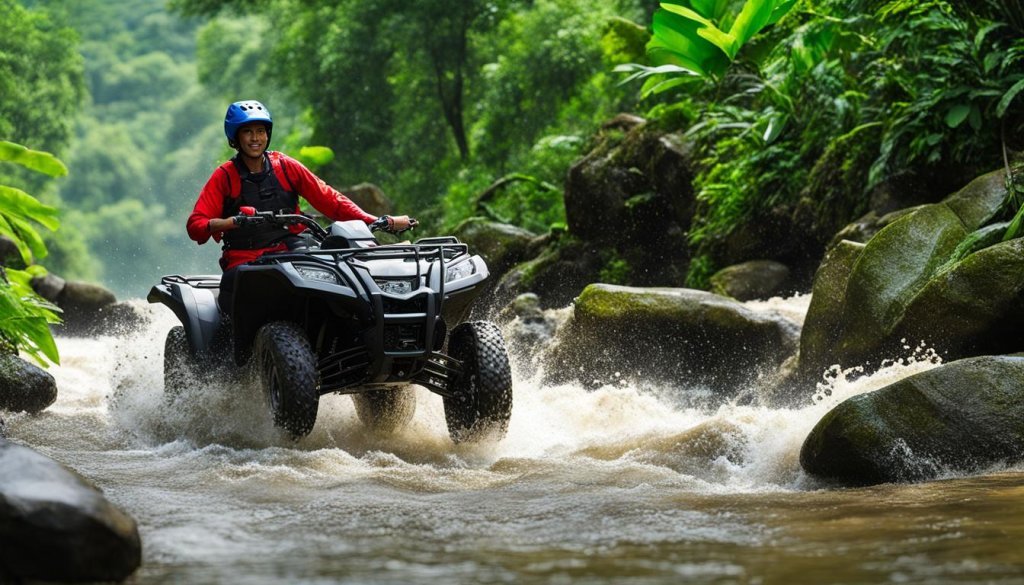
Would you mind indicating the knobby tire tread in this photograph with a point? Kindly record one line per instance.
(283, 345)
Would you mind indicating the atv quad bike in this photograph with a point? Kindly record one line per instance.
(341, 313)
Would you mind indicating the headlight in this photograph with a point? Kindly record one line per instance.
(395, 287)
(460, 270)
(318, 274)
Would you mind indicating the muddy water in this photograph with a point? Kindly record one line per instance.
(614, 485)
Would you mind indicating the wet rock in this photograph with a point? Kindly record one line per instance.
(824, 321)
(24, 386)
(905, 288)
(56, 526)
(370, 198)
(49, 286)
(887, 275)
(756, 279)
(972, 308)
(501, 245)
(557, 275)
(961, 417)
(680, 336)
(632, 197)
(3, 429)
(865, 228)
(83, 304)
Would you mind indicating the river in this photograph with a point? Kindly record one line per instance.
(613, 485)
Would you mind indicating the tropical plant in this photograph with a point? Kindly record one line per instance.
(25, 317)
(700, 38)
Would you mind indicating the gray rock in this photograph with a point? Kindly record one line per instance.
(49, 287)
(680, 336)
(500, 245)
(83, 305)
(24, 386)
(55, 526)
(964, 416)
(370, 198)
(756, 279)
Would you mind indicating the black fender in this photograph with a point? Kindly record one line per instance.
(196, 308)
(271, 292)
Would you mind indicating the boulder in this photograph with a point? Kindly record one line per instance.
(905, 289)
(501, 245)
(83, 304)
(972, 308)
(50, 286)
(56, 526)
(678, 336)
(24, 386)
(556, 275)
(633, 193)
(756, 279)
(965, 416)
(370, 198)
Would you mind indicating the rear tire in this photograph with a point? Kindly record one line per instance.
(482, 404)
(385, 411)
(288, 374)
(179, 365)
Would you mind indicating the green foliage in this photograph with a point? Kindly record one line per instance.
(40, 77)
(24, 316)
(704, 36)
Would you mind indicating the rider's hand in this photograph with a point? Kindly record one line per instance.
(400, 223)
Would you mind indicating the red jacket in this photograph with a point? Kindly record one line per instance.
(320, 195)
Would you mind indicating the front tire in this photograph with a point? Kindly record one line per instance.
(288, 374)
(385, 411)
(482, 404)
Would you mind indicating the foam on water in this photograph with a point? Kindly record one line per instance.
(617, 433)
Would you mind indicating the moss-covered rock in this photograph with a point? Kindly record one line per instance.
(979, 201)
(974, 307)
(370, 198)
(894, 266)
(680, 336)
(823, 323)
(964, 416)
(24, 386)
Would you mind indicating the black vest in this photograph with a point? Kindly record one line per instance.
(264, 192)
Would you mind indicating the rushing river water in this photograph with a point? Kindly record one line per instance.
(614, 485)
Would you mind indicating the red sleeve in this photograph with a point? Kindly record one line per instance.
(324, 198)
(209, 206)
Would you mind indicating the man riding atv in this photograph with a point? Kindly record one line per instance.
(263, 180)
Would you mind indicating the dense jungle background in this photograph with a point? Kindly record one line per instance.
(822, 111)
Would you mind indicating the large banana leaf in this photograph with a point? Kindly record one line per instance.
(705, 36)
(35, 160)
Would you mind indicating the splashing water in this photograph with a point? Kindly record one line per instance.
(591, 485)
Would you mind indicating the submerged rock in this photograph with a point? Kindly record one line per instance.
(961, 417)
(679, 336)
(55, 526)
(24, 386)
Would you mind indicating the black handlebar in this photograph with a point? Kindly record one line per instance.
(319, 233)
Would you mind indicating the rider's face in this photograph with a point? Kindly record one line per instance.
(252, 139)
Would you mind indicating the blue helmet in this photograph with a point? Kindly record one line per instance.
(241, 113)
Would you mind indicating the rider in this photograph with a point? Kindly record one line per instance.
(265, 180)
